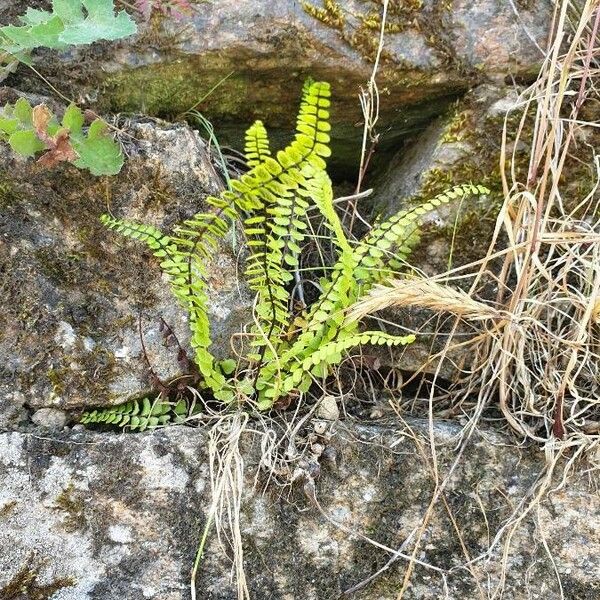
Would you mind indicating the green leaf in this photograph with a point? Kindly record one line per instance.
(101, 24)
(25, 143)
(73, 119)
(225, 395)
(22, 110)
(28, 37)
(8, 125)
(228, 366)
(67, 24)
(98, 152)
(68, 10)
(97, 129)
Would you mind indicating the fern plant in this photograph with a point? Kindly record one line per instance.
(139, 414)
(272, 200)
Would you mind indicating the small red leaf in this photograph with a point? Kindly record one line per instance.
(60, 150)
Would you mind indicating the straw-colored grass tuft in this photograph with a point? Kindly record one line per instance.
(422, 293)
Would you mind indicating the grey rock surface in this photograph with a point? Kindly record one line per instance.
(50, 418)
(12, 410)
(74, 292)
(115, 517)
(462, 146)
(433, 51)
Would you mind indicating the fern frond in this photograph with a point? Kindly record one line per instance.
(331, 353)
(187, 274)
(322, 193)
(396, 236)
(354, 273)
(138, 415)
(275, 195)
(323, 355)
(256, 149)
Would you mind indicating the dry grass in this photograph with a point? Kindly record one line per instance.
(543, 364)
(422, 293)
(537, 355)
(540, 361)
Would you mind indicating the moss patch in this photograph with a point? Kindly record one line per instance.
(71, 502)
(24, 584)
(8, 196)
(7, 508)
(469, 234)
(361, 30)
(94, 375)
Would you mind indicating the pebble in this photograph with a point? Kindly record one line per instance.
(50, 418)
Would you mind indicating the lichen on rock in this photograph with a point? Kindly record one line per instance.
(120, 517)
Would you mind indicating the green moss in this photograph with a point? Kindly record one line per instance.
(8, 196)
(170, 89)
(56, 378)
(330, 13)
(456, 130)
(24, 585)
(71, 502)
(469, 233)
(58, 266)
(94, 372)
(361, 30)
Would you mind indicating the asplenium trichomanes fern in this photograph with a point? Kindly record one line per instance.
(272, 200)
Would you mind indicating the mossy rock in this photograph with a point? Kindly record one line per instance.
(77, 297)
(262, 51)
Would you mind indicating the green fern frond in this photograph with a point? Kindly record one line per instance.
(187, 274)
(355, 271)
(299, 374)
(138, 415)
(272, 199)
(256, 149)
(396, 236)
(331, 353)
(275, 195)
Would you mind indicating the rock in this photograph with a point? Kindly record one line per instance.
(50, 418)
(463, 146)
(328, 409)
(96, 516)
(12, 410)
(75, 293)
(241, 50)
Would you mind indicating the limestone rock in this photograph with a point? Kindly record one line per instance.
(463, 146)
(12, 410)
(75, 294)
(103, 517)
